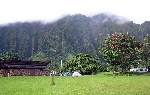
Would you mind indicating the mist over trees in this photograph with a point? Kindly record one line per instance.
(69, 35)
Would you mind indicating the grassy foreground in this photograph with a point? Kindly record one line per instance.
(100, 84)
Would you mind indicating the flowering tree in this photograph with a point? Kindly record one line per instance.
(120, 50)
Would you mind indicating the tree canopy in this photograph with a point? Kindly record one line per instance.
(145, 51)
(84, 63)
(40, 56)
(120, 50)
(9, 56)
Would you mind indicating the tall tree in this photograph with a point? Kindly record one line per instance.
(120, 50)
(145, 53)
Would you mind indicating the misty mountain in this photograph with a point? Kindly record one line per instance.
(101, 18)
(69, 35)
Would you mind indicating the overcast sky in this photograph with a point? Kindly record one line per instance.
(137, 11)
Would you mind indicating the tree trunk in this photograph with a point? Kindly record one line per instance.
(123, 70)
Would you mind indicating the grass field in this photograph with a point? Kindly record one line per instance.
(100, 84)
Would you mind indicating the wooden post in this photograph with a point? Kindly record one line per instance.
(8, 74)
(52, 75)
(53, 78)
(113, 72)
(5, 73)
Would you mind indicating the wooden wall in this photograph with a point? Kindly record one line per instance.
(24, 72)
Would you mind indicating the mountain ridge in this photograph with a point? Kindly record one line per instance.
(69, 35)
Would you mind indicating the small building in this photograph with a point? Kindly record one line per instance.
(24, 68)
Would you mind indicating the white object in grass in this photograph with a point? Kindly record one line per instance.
(76, 74)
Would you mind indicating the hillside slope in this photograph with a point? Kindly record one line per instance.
(69, 35)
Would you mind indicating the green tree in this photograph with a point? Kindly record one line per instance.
(85, 63)
(8, 56)
(120, 50)
(145, 51)
(40, 56)
(70, 57)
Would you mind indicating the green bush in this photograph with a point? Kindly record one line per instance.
(84, 63)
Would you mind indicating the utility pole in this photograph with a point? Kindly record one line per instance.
(61, 64)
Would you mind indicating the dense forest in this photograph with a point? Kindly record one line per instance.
(69, 35)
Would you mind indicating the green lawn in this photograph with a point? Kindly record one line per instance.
(100, 84)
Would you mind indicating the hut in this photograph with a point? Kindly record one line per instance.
(24, 68)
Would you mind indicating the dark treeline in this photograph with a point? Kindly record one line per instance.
(69, 35)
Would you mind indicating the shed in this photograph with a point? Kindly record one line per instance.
(24, 68)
